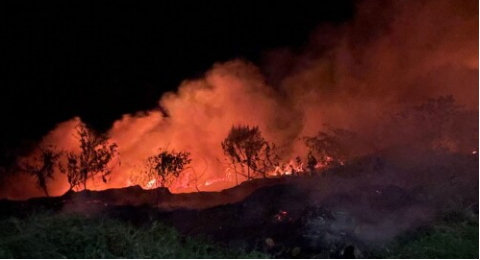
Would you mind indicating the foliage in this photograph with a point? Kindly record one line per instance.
(95, 157)
(165, 167)
(42, 166)
(448, 239)
(334, 146)
(311, 162)
(249, 152)
(73, 236)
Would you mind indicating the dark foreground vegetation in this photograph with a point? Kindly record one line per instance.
(46, 235)
(449, 238)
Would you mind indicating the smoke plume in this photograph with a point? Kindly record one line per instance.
(392, 55)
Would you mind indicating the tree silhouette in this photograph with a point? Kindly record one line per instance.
(196, 176)
(95, 158)
(42, 167)
(311, 163)
(165, 167)
(249, 153)
(438, 124)
(333, 146)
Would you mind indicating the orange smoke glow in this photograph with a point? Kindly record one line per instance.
(414, 51)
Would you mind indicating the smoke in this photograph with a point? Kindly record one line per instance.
(413, 51)
(392, 55)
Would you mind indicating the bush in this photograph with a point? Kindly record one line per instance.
(449, 239)
(73, 236)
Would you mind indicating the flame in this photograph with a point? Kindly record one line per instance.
(213, 181)
(151, 184)
(365, 74)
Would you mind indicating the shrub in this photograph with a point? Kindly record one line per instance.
(73, 236)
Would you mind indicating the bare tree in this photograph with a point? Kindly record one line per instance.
(197, 176)
(42, 167)
(165, 167)
(249, 152)
(96, 157)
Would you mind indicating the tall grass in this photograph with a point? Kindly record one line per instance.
(73, 236)
(452, 237)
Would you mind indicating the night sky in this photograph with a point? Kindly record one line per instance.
(101, 59)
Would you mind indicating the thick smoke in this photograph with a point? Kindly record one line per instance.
(392, 55)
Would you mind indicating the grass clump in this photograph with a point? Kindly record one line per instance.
(73, 236)
(447, 239)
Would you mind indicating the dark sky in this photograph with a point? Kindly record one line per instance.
(101, 59)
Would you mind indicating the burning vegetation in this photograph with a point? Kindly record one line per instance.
(352, 95)
(437, 125)
(356, 138)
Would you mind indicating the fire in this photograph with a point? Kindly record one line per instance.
(151, 184)
(281, 215)
(297, 167)
(291, 167)
(346, 88)
(213, 181)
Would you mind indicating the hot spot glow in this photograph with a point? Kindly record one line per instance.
(350, 85)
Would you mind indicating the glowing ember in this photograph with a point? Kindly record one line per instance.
(213, 181)
(281, 215)
(151, 184)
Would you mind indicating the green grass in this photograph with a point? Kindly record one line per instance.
(71, 236)
(452, 238)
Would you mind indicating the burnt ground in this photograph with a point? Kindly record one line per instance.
(343, 212)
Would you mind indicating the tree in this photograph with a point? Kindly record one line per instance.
(249, 153)
(165, 167)
(42, 167)
(196, 177)
(311, 163)
(334, 146)
(431, 125)
(95, 158)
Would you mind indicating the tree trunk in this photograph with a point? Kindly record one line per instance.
(46, 192)
(84, 179)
